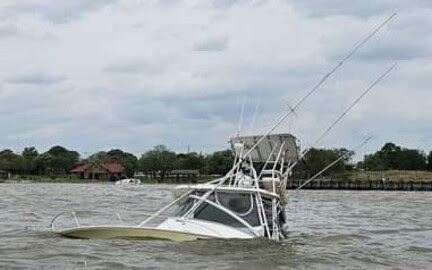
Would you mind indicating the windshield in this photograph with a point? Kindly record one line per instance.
(209, 212)
(241, 204)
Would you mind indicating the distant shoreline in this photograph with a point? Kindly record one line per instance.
(333, 184)
(408, 184)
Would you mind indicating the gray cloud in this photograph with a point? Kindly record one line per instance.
(8, 30)
(357, 8)
(56, 11)
(402, 51)
(227, 3)
(12, 31)
(388, 45)
(134, 66)
(36, 78)
(211, 44)
(190, 98)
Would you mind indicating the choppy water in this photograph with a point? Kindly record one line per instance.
(329, 230)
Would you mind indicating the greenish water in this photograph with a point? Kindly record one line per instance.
(328, 230)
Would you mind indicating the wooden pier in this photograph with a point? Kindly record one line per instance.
(425, 185)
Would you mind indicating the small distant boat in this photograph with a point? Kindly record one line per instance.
(128, 181)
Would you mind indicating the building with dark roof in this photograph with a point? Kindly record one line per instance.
(112, 170)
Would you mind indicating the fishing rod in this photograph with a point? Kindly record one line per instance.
(315, 88)
(332, 125)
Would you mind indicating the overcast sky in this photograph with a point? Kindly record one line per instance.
(99, 74)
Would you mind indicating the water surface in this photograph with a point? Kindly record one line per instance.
(328, 230)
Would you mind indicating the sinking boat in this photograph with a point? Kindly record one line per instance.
(245, 203)
(248, 202)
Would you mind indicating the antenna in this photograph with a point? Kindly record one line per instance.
(254, 116)
(241, 116)
(291, 118)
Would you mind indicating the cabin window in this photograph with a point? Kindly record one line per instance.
(242, 205)
(211, 213)
(238, 203)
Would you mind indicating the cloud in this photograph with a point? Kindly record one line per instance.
(133, 66)
(56, 11)
(12, 31)
(158, 82)
(357, 8)
(227, 3)
(387, 45)
(212, 44)
(36, 78)
(8, 31)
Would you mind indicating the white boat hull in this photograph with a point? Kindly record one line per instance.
(126, 232)
(207, 228)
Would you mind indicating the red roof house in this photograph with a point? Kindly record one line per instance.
(111, 170)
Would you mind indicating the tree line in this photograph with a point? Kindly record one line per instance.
(394, 157)
(160, 160)
(59, 160)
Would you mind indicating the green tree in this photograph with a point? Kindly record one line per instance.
(374, 162)
(159, 160)
(393, 157)
(29, 156)
(99, 157)
(128, 160)
(219, 162)
(190, 161)
(389, 154)
(57, 160)
(429, 161)
(411, 159)
(318, 159)
(9, 161)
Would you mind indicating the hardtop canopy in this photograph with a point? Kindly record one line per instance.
(274, 141)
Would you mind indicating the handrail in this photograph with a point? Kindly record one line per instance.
(76, 218)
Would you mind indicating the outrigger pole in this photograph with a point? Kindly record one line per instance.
(332, 125)
(318, 85)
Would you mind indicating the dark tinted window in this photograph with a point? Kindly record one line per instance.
(243, 205)
(211, 213)
(238, 203)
